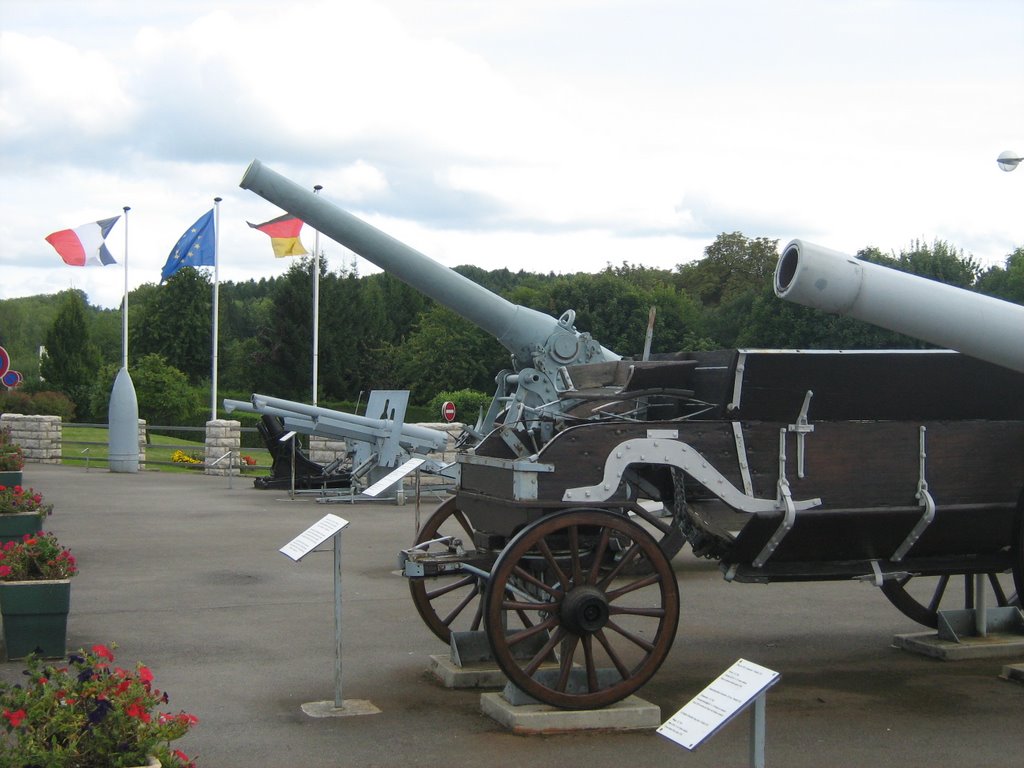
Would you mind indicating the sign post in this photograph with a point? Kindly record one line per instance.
(282, 439)
(742, 684)
(330, 526)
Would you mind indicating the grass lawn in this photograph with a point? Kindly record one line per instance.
(82, 444)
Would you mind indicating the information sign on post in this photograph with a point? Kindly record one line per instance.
(329, 526)
(733, 691)
(313, 537)
(392, 477)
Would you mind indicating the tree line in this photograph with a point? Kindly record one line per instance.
(377, 333)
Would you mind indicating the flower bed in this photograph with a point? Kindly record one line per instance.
(89, 713)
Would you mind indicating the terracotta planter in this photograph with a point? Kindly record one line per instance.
(35, 617)
(11, 477)
(15, 525)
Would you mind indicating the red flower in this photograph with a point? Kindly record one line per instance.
(145, 675)
(134, 710)
(5, 570)
(15, 717)
(103, 652)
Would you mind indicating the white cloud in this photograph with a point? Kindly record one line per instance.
(542, 135)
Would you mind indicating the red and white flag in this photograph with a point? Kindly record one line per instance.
(84, 246)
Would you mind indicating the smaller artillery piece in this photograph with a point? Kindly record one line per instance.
(892, 467)
(375, 444)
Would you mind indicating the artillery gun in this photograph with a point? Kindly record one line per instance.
(375, 445)
(893, 467)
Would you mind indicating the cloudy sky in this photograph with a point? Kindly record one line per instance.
(546, 135)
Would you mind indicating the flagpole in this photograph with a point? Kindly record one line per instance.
(124, 300)
(216, 300)
(316, 301)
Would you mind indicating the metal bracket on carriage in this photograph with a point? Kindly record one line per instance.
(877, 577)
(785, 501)
(923, 496)
(663, 447)
(801, 429)
(418, 561)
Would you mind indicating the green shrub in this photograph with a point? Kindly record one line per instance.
(468, 403)
(53, 404)
(15, 401)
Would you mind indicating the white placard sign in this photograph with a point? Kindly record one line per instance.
(313, 537)
(717, 704)
(392, 477)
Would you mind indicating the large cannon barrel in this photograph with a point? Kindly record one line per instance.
(310, 419)
(976, 325)
(519, 329)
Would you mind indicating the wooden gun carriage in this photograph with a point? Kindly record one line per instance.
(894, 467)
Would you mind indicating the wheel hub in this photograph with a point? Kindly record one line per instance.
(584, 610)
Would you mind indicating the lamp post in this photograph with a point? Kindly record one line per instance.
(1008, 160)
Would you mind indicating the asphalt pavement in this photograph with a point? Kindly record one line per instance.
(183, 572)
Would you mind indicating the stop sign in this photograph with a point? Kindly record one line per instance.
(448, 410)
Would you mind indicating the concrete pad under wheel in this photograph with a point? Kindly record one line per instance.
(992, 647)
(632, 713)
(469, 675)
(1013, 672)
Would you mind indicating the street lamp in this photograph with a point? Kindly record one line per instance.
(1008, 160)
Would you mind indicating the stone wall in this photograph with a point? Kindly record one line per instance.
(143, 439)
(324, 450)
(39, 436)
(223, 436)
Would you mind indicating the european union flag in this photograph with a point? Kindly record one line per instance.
(195, 248)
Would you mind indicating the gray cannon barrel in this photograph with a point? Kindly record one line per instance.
(421, 436)
(519, 329)
(976, 325)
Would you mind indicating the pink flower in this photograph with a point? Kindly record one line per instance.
(103, 652)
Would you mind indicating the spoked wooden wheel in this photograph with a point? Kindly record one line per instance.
(567, 623)
(448, 603)
(922, 597)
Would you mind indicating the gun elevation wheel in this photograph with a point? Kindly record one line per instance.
(566, 620)
(448, 603)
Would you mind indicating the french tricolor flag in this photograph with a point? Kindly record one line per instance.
(84, 246)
